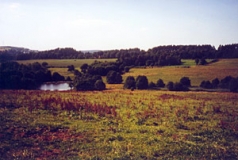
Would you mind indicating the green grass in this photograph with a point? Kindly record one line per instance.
(148, 125)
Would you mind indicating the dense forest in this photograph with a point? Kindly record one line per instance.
(156, 56)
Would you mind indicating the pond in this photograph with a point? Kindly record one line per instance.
(55, 87)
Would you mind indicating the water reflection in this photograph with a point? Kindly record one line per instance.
(55, 87)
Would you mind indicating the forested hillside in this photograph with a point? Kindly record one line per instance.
(136, 55)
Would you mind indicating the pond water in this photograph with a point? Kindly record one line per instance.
(55, 87)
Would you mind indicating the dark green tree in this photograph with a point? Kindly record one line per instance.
(185, 81)
(215, 82)
(57, 77)
(44, 64)
(170, 86)
(141, 82)
(87, 82)
(160, 83)
(206, 84)
(114, 77)
(100, 85)
(84, 67)
(233, 85)
(152, 85)
(71, 68)
(203, 61)
(178, 86)
(197, 61)
(130, 82)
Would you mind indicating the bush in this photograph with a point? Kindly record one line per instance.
(141, 82)
(160, 83)
(130, 82)
(185, 81)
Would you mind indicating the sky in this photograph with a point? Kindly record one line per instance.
(117, 24)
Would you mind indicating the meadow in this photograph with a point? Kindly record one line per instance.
(196, 73)
(118, 124)
(123, 124)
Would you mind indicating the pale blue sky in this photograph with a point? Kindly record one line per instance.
(117, 24)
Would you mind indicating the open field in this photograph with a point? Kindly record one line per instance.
(63, 63)
(118, 124)
(197, 74)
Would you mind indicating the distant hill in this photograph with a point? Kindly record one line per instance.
(26, 50)
(17, 49)
(90, 51)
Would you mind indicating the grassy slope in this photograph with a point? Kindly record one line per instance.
(197, 74)
(148, 125)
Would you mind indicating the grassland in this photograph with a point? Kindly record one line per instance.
(123, 124)
(197, 74)
(118, 124)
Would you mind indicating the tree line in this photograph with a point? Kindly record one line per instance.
(161, 55)
(19, 76)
